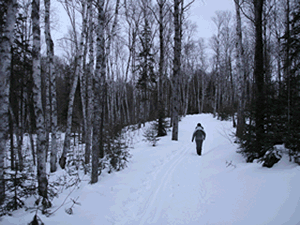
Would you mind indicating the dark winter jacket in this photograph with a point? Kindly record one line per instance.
(199, 134)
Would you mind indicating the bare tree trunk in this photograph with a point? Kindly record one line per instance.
(259, 76)
(5, 61)
(51, 108)
(215, 98)
(161, 108)
(127, 105)
(232, 97)
(99, 93)
(38, 108)
(240, 65)
(78, 71)
(63, 158)
(20, 128)
(12, 147)
(31, 136)
(287, 61)
(176, 70)
(53, 160)
(83, 47)
(90, 73)
(186, 95)
(202, 93)
(113, 28)
(287, 68)
(198, 93)
(48, 74)
(47, 97)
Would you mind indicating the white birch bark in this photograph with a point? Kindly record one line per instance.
(51, 122)
(113, 29)
(99, 82)
(176, 71)
(90, 76)
(47, 77)
(37, 96)
(5, 60)
(240, 71)
(83, 46)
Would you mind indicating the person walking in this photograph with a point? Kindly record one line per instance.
(199, 136)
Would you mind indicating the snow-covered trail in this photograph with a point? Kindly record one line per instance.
(174, 188)
(177, 191)
(171, 184)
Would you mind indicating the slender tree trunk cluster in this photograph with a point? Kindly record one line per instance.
(37, 96)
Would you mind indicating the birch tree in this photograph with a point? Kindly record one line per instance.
(216, 45)
(176, 71)
(89, 78)
(51, 116)
(99, 93)
(47, 112)
(240, 65)
(83, 80)
(5, 60)
(38, 108)
(161, 107)
(77, 74)
(203, 64)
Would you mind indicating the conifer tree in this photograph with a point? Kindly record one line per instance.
(147, 79)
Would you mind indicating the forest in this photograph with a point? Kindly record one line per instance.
(128, 62)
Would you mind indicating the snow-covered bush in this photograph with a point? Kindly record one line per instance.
(297, 158)
(270, 158)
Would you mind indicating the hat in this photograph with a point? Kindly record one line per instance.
(199, 125)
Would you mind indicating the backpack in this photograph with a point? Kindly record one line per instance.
(199, 134)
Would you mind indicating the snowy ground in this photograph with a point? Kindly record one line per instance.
(171, 184)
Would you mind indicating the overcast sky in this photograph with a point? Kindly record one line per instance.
(202, 11)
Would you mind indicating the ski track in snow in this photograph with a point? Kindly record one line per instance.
(167, 171)
(161, 193)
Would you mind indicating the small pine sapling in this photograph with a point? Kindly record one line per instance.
(150, 135)
(116, 148)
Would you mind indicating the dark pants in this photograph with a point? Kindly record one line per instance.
(199, 146)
